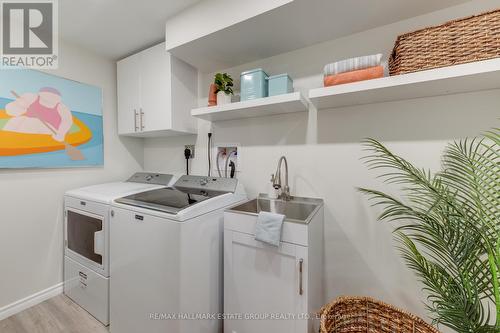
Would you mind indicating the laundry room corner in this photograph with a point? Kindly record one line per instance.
(31, 226)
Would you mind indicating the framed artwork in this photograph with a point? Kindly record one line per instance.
(48, 121)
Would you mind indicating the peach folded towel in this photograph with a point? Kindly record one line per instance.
(354, 76)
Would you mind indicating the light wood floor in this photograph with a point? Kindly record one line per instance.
(56, 315)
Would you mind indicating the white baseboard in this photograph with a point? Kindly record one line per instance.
(36, 298)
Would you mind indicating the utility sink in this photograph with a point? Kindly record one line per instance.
(288, 277)
(297, 210)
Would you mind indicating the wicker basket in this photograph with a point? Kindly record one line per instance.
(366, 315)
(456, 42)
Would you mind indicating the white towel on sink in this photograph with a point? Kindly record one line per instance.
(268, 228)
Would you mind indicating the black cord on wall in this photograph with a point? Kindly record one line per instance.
(187, 155)
(209, 154)
(232, 166)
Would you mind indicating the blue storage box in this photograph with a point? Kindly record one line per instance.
(280, 84)
(253, 84)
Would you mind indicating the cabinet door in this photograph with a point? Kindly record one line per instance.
(128, 89)
(155, 109)
(262, 281)
(144, 267)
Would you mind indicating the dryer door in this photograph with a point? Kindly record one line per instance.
(85, 235)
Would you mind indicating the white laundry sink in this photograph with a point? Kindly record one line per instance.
(297, 210)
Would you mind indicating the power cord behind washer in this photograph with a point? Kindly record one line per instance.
(187, 155)
(209, 154)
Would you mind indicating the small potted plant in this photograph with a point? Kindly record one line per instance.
(224, 88)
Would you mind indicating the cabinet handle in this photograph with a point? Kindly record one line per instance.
(142, 120)
(301, 263)
(135, 120)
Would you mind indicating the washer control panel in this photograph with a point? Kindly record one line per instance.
(151, 178)
(215, 184)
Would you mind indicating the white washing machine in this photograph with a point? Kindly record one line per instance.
(86, 239)
(166, 257)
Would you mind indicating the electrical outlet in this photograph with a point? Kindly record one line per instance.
(190, 147)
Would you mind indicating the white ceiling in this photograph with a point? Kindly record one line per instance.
(116, 28)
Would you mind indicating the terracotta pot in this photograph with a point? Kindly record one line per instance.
(212, 95)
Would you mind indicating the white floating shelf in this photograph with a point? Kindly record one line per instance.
(258, 29)
(476, 76)
(267, 106)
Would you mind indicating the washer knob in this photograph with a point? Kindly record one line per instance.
(203, 182)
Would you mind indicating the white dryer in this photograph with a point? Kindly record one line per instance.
(166, 257)
(86, 239)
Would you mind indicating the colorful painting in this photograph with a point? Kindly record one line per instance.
(49, 122)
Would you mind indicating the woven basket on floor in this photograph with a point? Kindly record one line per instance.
(366, 315)
(456, 42)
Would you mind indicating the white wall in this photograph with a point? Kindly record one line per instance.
(324, 153)
(31, 228)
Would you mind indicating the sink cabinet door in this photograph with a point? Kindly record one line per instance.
(262, 280)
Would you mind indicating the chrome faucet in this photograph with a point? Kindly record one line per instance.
(285, 190)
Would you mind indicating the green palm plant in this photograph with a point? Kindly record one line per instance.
(448, 228)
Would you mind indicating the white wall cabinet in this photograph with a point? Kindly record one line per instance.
(274, 289)
(156, 93)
